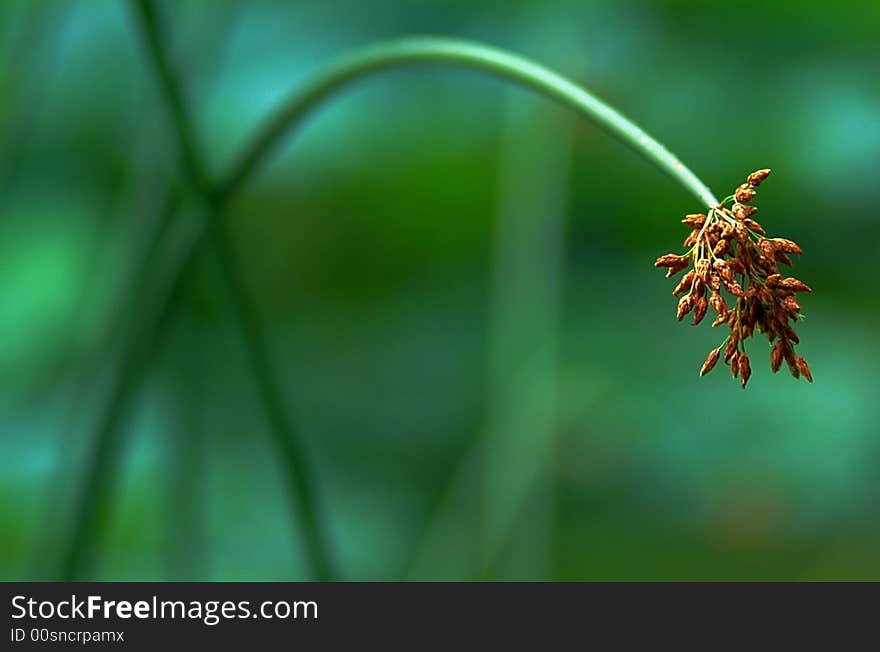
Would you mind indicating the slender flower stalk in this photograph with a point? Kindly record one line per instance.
(215, 195)
(459, 53)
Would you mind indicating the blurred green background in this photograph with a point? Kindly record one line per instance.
(456, 280)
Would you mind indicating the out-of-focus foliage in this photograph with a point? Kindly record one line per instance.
(457, 282)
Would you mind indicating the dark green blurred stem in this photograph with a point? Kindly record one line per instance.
(287, 438)
(143, 340)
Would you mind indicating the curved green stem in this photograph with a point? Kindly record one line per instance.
(464, 54)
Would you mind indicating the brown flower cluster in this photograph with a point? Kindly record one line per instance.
(728, 252)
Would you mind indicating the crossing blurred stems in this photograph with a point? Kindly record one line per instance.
(142, 339)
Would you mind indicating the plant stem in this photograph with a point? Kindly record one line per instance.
(287, 438)
(463, 54)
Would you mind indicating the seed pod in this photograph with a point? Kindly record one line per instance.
(702, 269)
(790, 304)
(742, 212)
(711, 361)
(755, 178)
(794, 285)
(727, 231)
(744, 194)
(669, 260)
(767, 249)
(716, 301)
(734, 364)
(734, 288)
(691, 240)
(803, 367)
(776, 355)
(773, 280)
(745, 369)
(781, 257)
(720, 248)
(720, 319)
(731, 320)
(685, 284)
(714, 281)
(792, 363)
(736, 265)
(786, 246)
(724, 270)
(700, 306)
(754, 226)
(695, 221)
(730, 349)
(684, 306)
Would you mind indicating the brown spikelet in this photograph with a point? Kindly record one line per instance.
(711, 361)
(700, 306)
(736, 266)
(756, 177)
(716, 302)
(695, 221)
(724, 269)
(728, 251)
(744, 194)
(669, 260)
(734, 288)
(714, 282)
(754, 226)
(776, 356)
(786, 246)
(803, 368)
(730, 349)
(790, 304)
(767, 249)
(792, 363)
(745, 369)
(794, 285)
(684, 307)
(742, 211)
(782, 257)
(685, 284)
